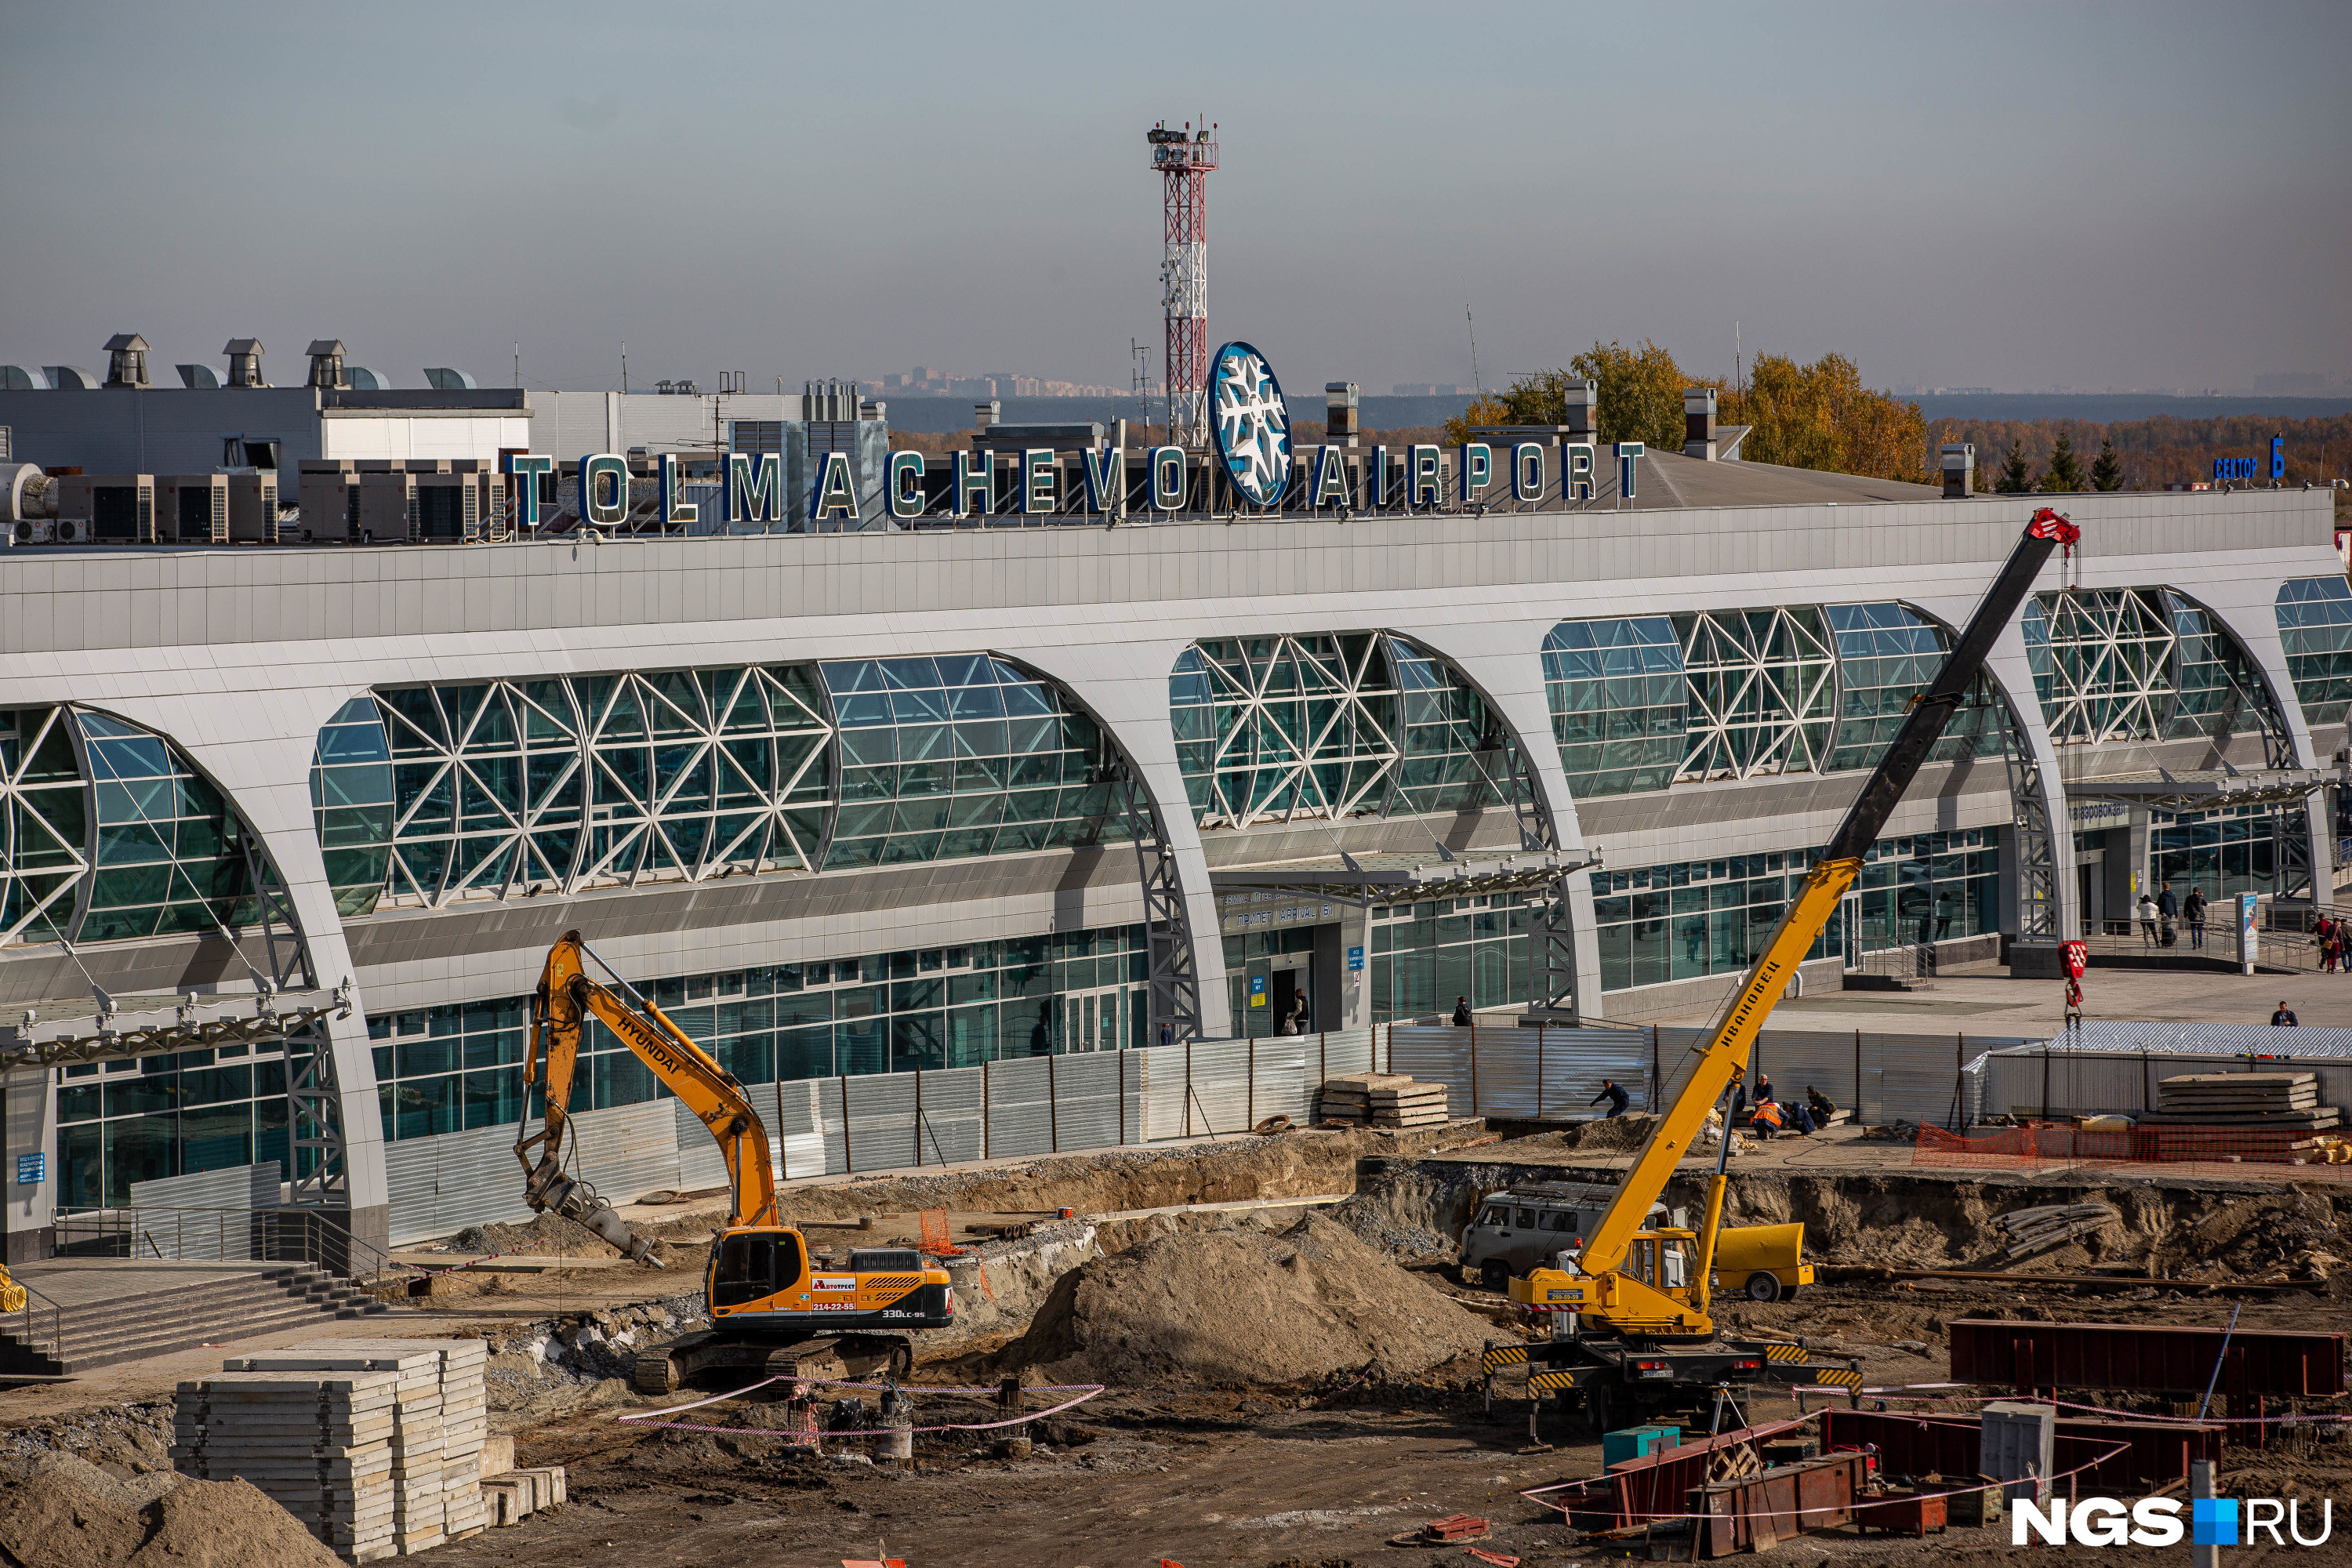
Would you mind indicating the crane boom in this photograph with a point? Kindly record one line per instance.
(1723, 1057)
(568, 996)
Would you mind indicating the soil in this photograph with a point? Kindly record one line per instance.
(60, 1512)
(1240, 1308)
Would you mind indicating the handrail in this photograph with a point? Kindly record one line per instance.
(290, 1234)
(30, 1335)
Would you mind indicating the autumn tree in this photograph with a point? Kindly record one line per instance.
(1486, 411)
(2065, 470)
(2108, 470)
(2016, 479)
(1819, 416)
(1641, 393)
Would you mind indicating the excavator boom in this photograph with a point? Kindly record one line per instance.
(1603, 1291)
(568, 996)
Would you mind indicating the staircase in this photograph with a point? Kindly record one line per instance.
(153, 1313)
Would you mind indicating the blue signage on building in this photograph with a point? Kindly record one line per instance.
(2251, 468)
(32, 1170)
(1257, 989)
(1355, 958)
(1252, 427)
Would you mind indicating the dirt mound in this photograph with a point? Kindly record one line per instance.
(63, 1513)
(1241, 1308)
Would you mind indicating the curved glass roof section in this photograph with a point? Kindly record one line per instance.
(2138, 664)
(1286, 729)
(107, 833)
(428, 795)
(2314, 622)
(1640, 703)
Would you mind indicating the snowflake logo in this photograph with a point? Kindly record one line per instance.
(1252, 425)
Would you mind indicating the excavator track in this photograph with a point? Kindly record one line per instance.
(714, 1358)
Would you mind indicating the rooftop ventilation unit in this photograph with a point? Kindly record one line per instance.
(21, 378)
(831, 400)
(363, 379)
(198, 377)
(106, 508)
(192, 509)
(327, 366)
(70, 378)
(443, 378)
(126, 359)
(244, 362)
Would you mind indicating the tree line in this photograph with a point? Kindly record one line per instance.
(1822, 415)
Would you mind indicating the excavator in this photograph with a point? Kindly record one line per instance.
(776, 1308)
(1631, 1325)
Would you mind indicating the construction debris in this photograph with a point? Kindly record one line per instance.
(1382, 1100)
(2245, 1099)
(2037, 1230)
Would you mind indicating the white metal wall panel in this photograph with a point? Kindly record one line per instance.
(444, 1183)
(1336, 1053)
(882, 1131)
(795, 1117)
(950, 1106)
(1020, 1121)
(2083, 1081)
(1220, 1096)
(1164, 1075)
(1281, 1084)
(1087, 1098)
(626, 1150)
(231, 1193)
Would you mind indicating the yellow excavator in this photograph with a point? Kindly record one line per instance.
(776, 1308)
(1630, 1309)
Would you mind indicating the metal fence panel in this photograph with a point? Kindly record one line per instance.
(1020, 1117)
(1279, 1085)
(700, 1166)
(445, 1182)
(1086, 1089)
(1166, 1071)
(626, 1149)
(178, 1226)
(2074, 1083)
(1220, 1087)
(882, 1131)
(951, 1104)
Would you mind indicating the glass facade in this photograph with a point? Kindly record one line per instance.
(2224, 852)
(2137, 664)
(1886, 655)
(2217, 691)
(2314, 622)
(1762, 690)
(352, 805)
(946, 758)
(43, 824)
(1278, 729)
(1697, 918)
(125, 1121)
(1620, 710)
(444, 1070)
(110, 833)
(1425, 955)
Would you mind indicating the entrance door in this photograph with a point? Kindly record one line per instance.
(2086, 890)
(1285, 986)
(1095, 1019)
(1849, 924)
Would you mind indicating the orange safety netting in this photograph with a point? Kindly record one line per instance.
(2203, 1151)
(936, 1242)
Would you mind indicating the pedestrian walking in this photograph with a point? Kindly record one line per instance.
(1462, 1012)
(2147, 912)
(2193, 910)
(2168, 908)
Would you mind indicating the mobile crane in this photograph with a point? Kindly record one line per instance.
(1630, 1311)
(774, 1309)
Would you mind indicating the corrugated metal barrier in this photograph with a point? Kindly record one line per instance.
(1041, 1105)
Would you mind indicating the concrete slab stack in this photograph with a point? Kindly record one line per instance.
(317, 1443)
(422, 1418)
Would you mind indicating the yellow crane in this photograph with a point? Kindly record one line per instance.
(773, 1305)
(1631, 1309)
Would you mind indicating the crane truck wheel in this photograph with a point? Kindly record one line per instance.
(1494, 1274)
(1763, 1286)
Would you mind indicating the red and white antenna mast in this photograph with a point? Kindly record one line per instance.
(1184, 158)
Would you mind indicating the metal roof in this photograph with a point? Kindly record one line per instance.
(2202, 789)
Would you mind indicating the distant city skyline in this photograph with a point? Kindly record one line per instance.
(2084, 194)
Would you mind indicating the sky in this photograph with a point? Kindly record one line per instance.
(2017, 196)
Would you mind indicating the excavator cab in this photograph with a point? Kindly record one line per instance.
(748, 1266)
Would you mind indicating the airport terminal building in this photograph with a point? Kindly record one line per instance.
(286, 829)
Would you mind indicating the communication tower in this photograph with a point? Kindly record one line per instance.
(1185, 159)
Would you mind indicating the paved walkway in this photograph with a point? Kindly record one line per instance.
(1983, 999)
